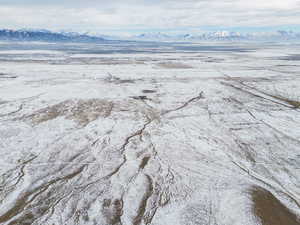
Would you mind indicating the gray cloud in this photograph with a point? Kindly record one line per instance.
(145, 14)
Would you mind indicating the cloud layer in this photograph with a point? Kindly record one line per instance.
(81, 15)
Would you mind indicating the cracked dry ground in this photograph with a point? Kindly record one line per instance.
(207, 151)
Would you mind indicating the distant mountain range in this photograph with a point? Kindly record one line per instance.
(49, 36)
(222, 36)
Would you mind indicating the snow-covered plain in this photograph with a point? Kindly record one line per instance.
(160, 135)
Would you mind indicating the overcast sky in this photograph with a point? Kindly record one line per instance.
(136, 16)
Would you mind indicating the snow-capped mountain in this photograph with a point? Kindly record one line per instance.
(215, 36)
(153, 36)
(45, 35)
(221, 36)
(66, 36)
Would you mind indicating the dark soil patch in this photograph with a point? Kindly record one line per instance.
(81, 111)
(148, 91)
(270, 210)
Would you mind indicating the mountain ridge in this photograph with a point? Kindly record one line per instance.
(222, 36)
(46, 35)
(65, 36)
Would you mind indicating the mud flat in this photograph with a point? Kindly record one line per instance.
(183, 135)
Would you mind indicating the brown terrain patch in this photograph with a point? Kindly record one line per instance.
(148, 91)
(81, 111)
(174, 65)
(113, 210)
(270, 210)
(126, 81)
(292, 102)
(26, 202)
